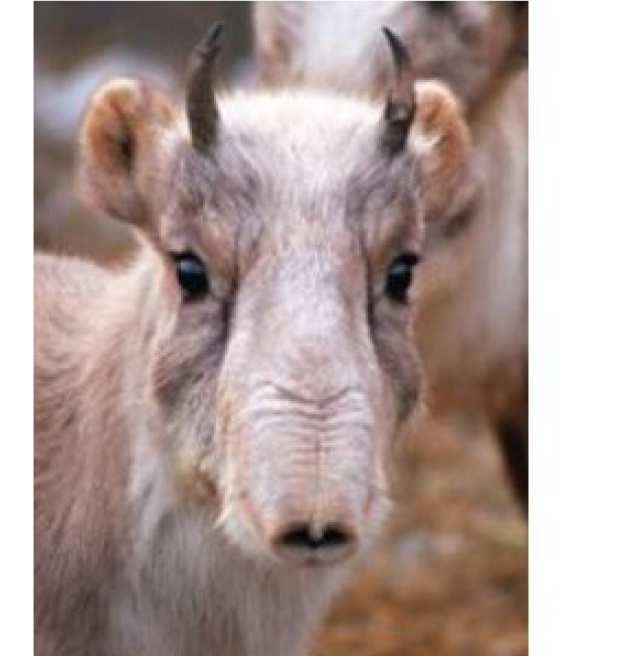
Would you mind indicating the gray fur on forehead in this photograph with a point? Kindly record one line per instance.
(283, 157)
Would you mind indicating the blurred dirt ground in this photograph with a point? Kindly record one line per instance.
(450, 577)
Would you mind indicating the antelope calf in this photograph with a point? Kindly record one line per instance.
(214, 421)
(471, 323)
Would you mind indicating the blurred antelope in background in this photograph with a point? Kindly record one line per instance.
(471, 323)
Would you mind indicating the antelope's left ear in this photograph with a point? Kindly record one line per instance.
(124, 136)
(442, 139)
(277, 30)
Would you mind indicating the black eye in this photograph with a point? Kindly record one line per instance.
(399, 276)
(192, 276)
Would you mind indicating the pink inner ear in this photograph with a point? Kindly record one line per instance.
(440, 119)
(119, 139)
(126, 148)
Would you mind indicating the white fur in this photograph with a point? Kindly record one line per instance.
(186, 589)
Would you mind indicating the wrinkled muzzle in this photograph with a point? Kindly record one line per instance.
(304, 470)
(300, 418)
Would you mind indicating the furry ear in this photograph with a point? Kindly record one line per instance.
(122, 142)
(445, 143)
(277, 26)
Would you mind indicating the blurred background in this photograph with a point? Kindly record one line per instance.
(450, 576)
(80, 45)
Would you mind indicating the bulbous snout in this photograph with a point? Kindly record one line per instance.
(305, 543)
(311, 493)
(306, 429)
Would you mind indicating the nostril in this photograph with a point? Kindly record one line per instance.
(303, 537)
(306, 544)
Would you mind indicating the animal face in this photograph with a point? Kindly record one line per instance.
(281, 232)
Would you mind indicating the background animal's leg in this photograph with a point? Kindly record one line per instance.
(512, 428)
(512, 434)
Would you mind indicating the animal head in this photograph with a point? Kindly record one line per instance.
(281, 232)
(468, 45)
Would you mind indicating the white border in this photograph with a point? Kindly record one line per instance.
(16, 340)
(580, 328)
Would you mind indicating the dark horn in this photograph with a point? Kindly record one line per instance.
(401, 104)
(201, 106)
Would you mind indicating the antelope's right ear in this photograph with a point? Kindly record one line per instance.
(123, 138)
(277, 29)
(446, 178)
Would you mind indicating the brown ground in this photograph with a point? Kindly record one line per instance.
(450, 577)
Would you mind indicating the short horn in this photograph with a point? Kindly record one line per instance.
(401, 104)
(201, 106)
